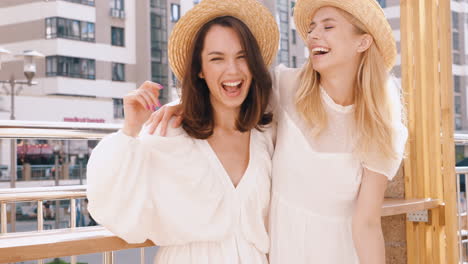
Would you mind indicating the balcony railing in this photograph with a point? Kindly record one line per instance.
(72, 241)
(462, 198)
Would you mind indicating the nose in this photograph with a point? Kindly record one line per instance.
(233, 67)
(314, 34)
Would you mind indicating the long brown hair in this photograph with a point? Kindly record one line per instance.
(198, 118)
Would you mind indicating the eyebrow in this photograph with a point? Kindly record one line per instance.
(220, 53)
(324, 20)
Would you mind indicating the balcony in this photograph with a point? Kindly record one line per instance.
(117, 13)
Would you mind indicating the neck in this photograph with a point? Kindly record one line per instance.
(225, 118)
(340, 85)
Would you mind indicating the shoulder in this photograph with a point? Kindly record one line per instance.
(175, 137)
(170, 130)
(265, 137)
(282, 71)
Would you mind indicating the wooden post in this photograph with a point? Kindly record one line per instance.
(429, 167)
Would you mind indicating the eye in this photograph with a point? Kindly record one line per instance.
(242, 57)
(215, 59)
(329, 27)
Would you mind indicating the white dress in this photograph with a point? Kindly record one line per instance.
(174, 191)
(315, 181)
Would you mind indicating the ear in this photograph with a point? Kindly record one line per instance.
(366, 42)
(201, 75)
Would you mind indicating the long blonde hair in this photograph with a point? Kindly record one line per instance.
(376, 112)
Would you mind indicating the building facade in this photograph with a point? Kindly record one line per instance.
(96, 52)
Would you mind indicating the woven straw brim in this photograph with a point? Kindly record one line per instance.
(368, 12)
(252, 13)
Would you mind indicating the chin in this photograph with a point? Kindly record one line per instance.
(320, 67)
(234, 103)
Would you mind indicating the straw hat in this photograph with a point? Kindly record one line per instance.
(255, 15)
(368, 12)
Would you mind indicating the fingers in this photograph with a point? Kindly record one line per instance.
(155, 119)
(150, 98)
(141, 100)
(165, 120)
(151, 92)
(177, 121)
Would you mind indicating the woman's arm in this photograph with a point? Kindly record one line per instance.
(367, 229)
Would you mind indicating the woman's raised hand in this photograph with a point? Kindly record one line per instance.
(139, 104)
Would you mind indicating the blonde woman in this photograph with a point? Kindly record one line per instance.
(340, 137)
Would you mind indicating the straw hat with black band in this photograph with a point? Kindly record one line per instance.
(368, 12)
(256, 16)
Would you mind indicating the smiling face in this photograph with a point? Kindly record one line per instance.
(225, 68)
(334, 42)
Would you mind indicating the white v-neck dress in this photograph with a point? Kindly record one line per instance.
(174, 191)
(315, 181)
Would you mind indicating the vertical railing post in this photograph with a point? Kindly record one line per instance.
(40, 222)
(108, 257)
(3, 217)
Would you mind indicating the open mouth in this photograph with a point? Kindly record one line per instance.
(232, 88)
(320, 51)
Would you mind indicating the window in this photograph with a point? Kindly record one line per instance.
(159, 74)
(57, 27)
(158, 3)
(117, 36)
(458, 123)
(118, 72)
(382, 3)
(118, 108)
(457, 58)
(293, 36)
(455, 20)
(457, 83)
(70, 67)
(83, 2)
(293, 4)
(294, 61)
(175, 12)
(458, 107)
(282, 9)
(456, 41)
(117, 4)
(158, 31)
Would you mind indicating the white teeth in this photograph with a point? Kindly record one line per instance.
(232, 83)
(320, 50)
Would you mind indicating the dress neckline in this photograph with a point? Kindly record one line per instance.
(331, 104)
(225, 175)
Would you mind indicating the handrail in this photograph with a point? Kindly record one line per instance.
(42, 193)
(27, 246)
(460, 138)
(404, 206)
(55, 130)
(44, 189)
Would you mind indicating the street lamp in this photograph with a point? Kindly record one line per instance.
(29, 71)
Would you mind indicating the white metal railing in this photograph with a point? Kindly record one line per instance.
(51, 130)
(462, 202)
(21, 129)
